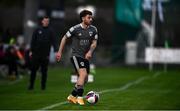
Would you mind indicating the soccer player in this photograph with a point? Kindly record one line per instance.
(42, 39)
(84, 40)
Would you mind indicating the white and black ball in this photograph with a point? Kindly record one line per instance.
(92, 97)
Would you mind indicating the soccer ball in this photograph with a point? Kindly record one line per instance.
(92, 97)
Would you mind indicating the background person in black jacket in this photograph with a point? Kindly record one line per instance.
(42, 39)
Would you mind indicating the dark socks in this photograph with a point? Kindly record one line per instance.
(77, 91)
(74, 92)
(80, 92)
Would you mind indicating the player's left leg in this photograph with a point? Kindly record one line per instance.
(72, 98)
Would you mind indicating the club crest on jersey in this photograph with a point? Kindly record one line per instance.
(82, 63)
(79, 34)
(90, 33)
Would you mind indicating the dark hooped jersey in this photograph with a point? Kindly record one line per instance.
(81, 39)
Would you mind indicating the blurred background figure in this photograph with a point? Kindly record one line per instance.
(42, 40)
(11, 56)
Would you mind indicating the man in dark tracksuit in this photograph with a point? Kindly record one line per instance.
(42, 39)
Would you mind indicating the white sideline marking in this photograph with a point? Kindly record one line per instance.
(156, 74)
(53, 106)
(126, 86)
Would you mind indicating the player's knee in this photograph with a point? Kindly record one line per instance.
(83, 73)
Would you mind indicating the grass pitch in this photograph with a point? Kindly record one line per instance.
(119, 88)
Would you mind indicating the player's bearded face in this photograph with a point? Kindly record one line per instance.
(88, 19)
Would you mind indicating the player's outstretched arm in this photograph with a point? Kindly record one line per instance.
(61, 47)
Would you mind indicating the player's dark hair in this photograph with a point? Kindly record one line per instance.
(84, 13)
(45, 17)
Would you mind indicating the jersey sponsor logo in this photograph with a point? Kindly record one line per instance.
(84, 42)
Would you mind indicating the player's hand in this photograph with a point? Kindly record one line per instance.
(58, 56)
(30, 54)
(88, 55)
